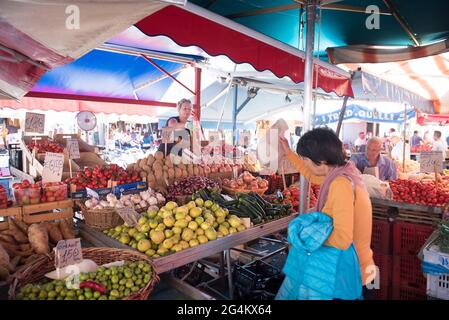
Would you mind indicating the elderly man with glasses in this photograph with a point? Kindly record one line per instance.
(372, 158)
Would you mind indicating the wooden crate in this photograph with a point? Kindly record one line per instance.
(5, 214)
(48, 211)
(89, 159)
(66, 168)
(84, 147)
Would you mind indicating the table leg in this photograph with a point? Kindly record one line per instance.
(230, 284)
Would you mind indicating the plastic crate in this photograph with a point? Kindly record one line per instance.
(408, 238)
(384, 263)
(257, 279)
(407, 271)
(438, 286)
(408, 293)
(383, 293)
(380, 237)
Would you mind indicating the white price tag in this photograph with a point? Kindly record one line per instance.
(129, 215)
(53, 165)
(68, 252)
(244, 138)
(92, 193)
(34, 122)
(73, 148)
(431, 161)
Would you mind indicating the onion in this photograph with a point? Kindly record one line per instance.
(110, 197)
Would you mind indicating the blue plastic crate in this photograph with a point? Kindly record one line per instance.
(7, 183)
(130, 188)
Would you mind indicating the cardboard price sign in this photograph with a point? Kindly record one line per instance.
(73, 148)
(129, 215)
(244, 138)
(214, 138)
(431, 161)
(68, 252)
(168, 135)
(53, 165)
(34, 122)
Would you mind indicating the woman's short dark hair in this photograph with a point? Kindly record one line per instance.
(322, 145)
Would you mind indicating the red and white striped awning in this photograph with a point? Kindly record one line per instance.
(37, 33)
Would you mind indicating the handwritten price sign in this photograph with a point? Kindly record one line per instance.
(431, 161)
(73, 148)
(34, 122)
(68, 252)
(168, 135)
(244, 139)
(129, 215)
(53, 164)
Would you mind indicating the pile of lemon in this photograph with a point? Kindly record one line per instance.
(174, 228)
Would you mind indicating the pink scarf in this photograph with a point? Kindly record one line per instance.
(349, 170)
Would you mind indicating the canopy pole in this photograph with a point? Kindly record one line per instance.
(405, 132)
(343, 110)
(308, 87)
(234, 114)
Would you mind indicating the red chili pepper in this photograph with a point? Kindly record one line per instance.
(93, 285)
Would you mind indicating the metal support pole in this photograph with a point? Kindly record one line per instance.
(405, 135)
(342, 115)
(234, 115)
(230, 283)
(308, 87)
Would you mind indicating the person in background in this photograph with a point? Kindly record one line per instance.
(427, 139)
(397, 152)
(343, 197)
(447, 140)
(360, 142)
(416, 139)
(184, 107)
(439, 144)
(373, 158)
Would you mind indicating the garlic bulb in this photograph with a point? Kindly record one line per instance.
(153, 208)
(145, 195)
(111, 197)
(89, 204)
(98, 207)
(152, 201)
(143, 203)
(118, 205)
(135, 198)
(104, 204)
(160, 198)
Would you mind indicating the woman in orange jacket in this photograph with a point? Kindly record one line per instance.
(343, 196)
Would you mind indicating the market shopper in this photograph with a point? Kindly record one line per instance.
(397, 151)
(372, 159)
(343, 196)
(178, 123)
(416, 139)
(439, 144)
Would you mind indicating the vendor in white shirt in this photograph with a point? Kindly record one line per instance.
(360, 142)
(397, 152)
(439, 144)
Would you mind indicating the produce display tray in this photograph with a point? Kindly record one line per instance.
(184, 257)
(403, 205)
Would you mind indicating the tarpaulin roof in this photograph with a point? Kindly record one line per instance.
(43, 34)
(190, 25)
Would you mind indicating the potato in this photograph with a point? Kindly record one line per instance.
(4, 273)
(185, 174)
(140, 163)
(25, 247)
(151, 177)
(168, 162)
(150, 160)
(146, 168)
(152, 184)
(201, 171)
(159, 155)
(66, 230)
(143, 174)
(158, 174)
(178, 173)
(165, 168)
(21, 225)
(182, 166)
(38, 236)
(165, 175)
(4, 257)
(190, 167)
(8, 238)
(18, 235)
(196, 171)
(190, 171)
(54, 232)
(171, 173)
